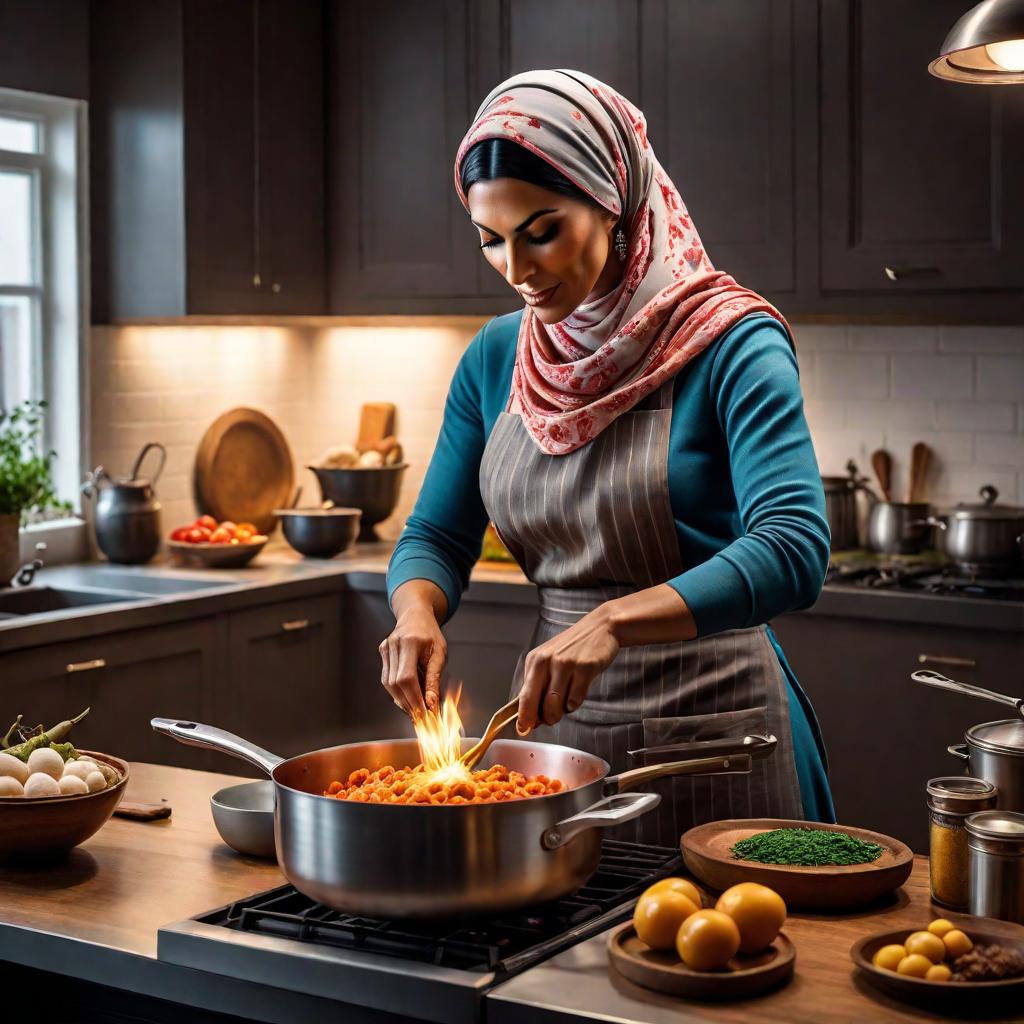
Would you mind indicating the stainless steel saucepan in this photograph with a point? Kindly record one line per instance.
(408, 860)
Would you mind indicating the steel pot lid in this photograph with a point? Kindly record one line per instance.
(961, 794)
(1007, 826)
(986, 509)
(1004, 737)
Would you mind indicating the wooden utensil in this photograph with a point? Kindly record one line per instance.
(920, 459)
(744, 975)
(243, 469)
(376, 422)
(139, 811)
(707, 852)
(949, 997)
(502, 717)
(881, 463)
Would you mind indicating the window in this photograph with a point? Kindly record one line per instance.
(42, 238)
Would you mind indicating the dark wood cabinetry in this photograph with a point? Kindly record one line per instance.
(207, 158)
(919, 176)
(885, 734)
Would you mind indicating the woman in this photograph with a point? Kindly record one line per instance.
(636, 434)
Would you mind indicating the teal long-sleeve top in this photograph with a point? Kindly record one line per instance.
(744, 486)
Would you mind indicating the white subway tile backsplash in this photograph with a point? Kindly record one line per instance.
(968, 416)
(935, 377)
(820, 338)
(893, 339)
(844, 375)
(1000, 378)
(1000, 449)
(891, 415)
(975, 340)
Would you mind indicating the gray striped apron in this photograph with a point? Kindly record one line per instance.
(597, 524)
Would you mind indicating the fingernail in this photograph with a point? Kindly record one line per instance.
(573, 705)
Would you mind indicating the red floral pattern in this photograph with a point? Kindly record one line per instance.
(573, 378)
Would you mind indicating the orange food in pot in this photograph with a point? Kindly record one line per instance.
(415, 786)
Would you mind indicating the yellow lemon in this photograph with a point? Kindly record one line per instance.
(940, 926)
(759, 913)
(708, 940)
(683, 885)
(957, 943)
(938, 972)
(914, 965)
(658, 916)
(889, 957)
(926, 944)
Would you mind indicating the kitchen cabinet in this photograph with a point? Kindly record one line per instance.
(207, 158)
(918, 201)
(885, 734)
(286, 680)
(126, 679)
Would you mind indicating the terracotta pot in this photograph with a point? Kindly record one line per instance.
(9, 558)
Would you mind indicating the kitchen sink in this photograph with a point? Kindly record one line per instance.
(33, 600)
(153, 586)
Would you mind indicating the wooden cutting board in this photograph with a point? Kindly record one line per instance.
(243, 469)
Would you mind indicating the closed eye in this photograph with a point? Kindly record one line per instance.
(548, 236)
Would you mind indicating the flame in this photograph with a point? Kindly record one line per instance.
(439, 735)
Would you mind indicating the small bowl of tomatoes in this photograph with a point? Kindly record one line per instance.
(216, 545)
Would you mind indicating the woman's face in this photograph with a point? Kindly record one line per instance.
(552, 249)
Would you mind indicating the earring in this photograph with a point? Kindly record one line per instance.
(621, 246)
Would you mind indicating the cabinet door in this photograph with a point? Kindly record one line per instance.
(285, 687)
(919, 175)
(399, 105)
(291, 156)
(885, 734)
(221, 170)
(718, 91)
(126, 679)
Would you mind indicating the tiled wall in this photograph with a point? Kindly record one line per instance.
(960, 389)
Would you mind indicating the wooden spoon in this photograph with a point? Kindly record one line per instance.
(920, 458)
(502, 717)
(881, 463)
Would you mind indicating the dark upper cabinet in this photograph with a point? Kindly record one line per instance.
(208, 158)
(718, 91)
(920, 178)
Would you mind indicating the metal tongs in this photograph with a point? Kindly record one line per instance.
(502, 717)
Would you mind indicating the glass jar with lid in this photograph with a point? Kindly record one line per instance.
(950, 799)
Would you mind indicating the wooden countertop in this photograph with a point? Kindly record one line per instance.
(130, 878)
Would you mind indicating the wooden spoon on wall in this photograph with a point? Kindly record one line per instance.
(920, 459)
(881, 463)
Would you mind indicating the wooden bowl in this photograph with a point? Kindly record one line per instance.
(949, 996)
(49, 826)
(216, 556)
(744, 975)
(707, 852)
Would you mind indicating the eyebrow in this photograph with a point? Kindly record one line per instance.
(520, 227)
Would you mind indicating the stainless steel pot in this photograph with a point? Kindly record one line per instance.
(841, 507)
(898, 527)
(994, 751)
(401, 861)
(982, 539)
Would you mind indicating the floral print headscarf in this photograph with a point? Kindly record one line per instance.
(573, 378)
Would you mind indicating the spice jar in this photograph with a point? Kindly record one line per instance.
(950, 799)
(995, 841)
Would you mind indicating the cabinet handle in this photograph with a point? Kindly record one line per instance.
(295, 625)
(903, 273)
(257, 281)
(275, 288)
(946, 659)
(85, 666)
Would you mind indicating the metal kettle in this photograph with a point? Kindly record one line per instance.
(127, 515)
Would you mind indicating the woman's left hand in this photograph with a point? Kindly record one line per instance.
(558, 673)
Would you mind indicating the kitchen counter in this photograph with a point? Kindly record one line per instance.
(96, 918)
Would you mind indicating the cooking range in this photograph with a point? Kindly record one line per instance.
(419, 970)
(924, 578)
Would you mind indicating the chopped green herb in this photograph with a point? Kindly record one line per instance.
(807, 847)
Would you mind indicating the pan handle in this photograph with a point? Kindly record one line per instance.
(613, 810)
(729, 764)
(937, 679)
(195, 735)
(959, 750)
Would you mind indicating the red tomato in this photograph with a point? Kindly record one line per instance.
(208, 522)
(248, 526)
(181, 533)
(229, 526)
(243, 534)
(197, 535)
(220, 536)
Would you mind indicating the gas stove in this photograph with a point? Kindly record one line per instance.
(922, 577)
(430, 971)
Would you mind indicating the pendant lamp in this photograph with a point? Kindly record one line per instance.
(985, 47)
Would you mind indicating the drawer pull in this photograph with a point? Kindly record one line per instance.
(946, 659)
(295, 625)
(908, 273)
(85, 666)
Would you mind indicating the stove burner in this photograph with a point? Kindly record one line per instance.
(503, 944)
(924, 578)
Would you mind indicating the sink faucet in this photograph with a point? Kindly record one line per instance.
(27, 573)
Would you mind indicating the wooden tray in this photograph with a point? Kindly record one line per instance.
(243, 469)
(745, 975)
(707, 854)
(945, 995)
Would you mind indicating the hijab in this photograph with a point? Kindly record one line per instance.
(573, 378)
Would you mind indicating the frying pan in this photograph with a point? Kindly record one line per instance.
(423, 861)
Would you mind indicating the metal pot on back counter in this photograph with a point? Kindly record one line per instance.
(841, 507)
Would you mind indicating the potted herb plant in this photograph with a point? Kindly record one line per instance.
(26, 481)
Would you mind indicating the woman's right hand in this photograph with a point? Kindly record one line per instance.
(413, 657)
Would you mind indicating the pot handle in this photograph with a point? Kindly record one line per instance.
(939, 524)
(195, 735)
(728, 764)
(959, 750)
(937, 679)
(612, 810)
(141, 456)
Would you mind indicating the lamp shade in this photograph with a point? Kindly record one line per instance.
(985, 47)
